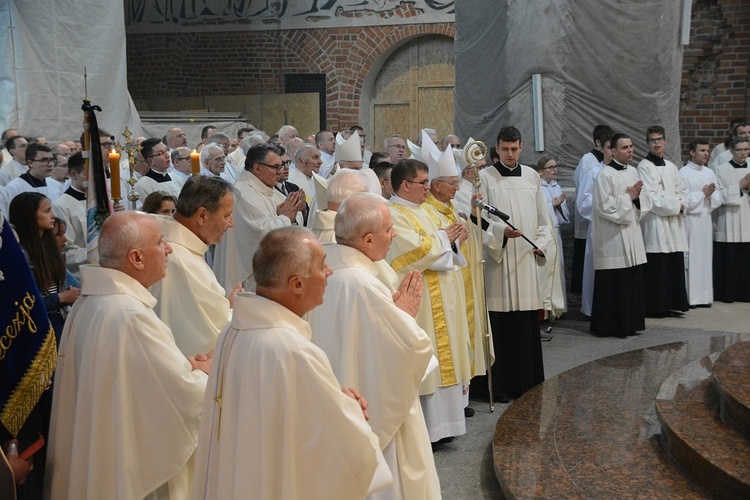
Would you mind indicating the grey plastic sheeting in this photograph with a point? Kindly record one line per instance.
(601, 61)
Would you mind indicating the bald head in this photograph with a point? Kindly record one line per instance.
(289, 268)
(344, 184)
(363, 221)
(132, 242)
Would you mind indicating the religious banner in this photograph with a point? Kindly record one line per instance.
(151, 16)
(28, 351)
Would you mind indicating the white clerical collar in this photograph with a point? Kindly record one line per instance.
(404, 203)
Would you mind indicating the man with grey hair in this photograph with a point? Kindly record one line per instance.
(190, 300)
(183, 167)
(452, 139)
(286, 134)
(176, 138)
(374, 343)
(269, 368)
(213, 160)
(307, 163)
(342, 185)
(259, 207)
(127, 403)
(395, 146)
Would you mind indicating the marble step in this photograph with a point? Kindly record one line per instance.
(731, 375)
(711, 452)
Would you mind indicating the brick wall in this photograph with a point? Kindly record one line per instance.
(198, 64)
(714, 84)
(715, 76)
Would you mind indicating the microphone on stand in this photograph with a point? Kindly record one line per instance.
(494, 211)
(490, 209)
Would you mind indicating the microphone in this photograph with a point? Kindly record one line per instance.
(490, 209)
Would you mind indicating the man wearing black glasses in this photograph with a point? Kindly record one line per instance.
(40, 162)
(258, 208)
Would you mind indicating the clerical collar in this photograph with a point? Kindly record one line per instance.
(659, 162)
(158, 177)
(507, 172)
(734, 164)
(598, 154)
(33, 180)
(617, 166)
(76, 194)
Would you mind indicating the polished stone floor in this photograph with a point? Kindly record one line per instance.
(569, 408)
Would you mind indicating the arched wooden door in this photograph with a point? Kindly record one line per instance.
(414, 89)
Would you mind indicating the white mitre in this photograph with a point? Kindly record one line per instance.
(416, 151)
(440, 163)
(461, 157)
(349, 150)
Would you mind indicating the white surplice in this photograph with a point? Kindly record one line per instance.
(587, 162)
(556, 277)
(254, 215)
(584, 209)
(616, 231)
(74, 213)
(275, 423)
(664, 225)
(190, 300)
(322, 225)
(126, 405)
(380, 350)
(511, 273)
(699, 227)
(732, 218)
(146, 185)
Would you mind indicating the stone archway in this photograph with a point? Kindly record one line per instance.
(411, 87)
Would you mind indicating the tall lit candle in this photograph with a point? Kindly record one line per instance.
(114, 175)
(195, 162)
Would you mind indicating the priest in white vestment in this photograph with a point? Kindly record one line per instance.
(421, 244)
(343, 184)
(702, 199)
(444, 185)
(258, 208)
(375, 345)
(732, 226)
(127, 403)
(276, 423)
(190, 300)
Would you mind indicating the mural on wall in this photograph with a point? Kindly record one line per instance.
(149, 16)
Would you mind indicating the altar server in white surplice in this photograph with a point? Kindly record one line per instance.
(258, 208)
(375, 345)
(702, 199)
(732, 226)
(71, 206)
(127, 403)
(619, 254)
(663, 229)
(190, 300)
(157, 178)
(422, 244)
(276, 421)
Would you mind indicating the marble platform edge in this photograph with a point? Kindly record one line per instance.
(730, 377)
(527, 454)
(709, 451)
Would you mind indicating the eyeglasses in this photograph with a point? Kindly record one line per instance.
(450, 183)
(46, 161)
(655, 140)
(397, 146)
(108, 144)
(182, 158)
(163, 153)
(742, 150)
(424, 183)
(553, 167)
(275, 167)
(286, 163)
